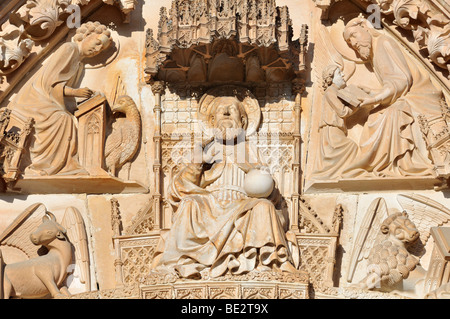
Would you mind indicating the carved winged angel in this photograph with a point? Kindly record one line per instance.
(393, 242)
(51, 252)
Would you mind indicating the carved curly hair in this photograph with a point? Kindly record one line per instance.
(89, 28)
(327, 75)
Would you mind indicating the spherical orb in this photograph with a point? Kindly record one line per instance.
(258, 183)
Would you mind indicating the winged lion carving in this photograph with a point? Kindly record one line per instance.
(53, 251)
(393, 242)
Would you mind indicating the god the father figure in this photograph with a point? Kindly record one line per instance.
(217, 225)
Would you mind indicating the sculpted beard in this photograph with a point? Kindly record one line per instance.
(228, 129)
(364, 49)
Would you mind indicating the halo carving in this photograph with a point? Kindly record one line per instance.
(244, 95)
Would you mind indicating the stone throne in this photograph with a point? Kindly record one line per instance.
(246, 44)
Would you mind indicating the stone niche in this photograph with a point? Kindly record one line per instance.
(112, 140)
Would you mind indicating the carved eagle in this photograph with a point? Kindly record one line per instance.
(123, 142)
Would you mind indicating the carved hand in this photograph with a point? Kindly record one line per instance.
(369, 90)
(81, 92)
(378, 98)
(207, 157)
(368, 101)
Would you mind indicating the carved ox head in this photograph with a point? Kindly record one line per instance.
(399, 226)
(48, 231)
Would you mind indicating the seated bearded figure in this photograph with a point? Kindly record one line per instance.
(222, 223)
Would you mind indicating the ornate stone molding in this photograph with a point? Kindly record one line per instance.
(251, 24)
(429, 27)
(14, 48)
(41, 17)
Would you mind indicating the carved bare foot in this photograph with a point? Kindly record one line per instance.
(65, 291)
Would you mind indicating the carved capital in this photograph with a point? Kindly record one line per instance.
(158, 87)
(298, 86)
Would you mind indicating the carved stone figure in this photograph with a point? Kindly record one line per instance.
(53, 148)
(45, 274)
(389, 261)
(405, 91)
(123, 142)
(393, 243)
(218, 225)
(335, 149)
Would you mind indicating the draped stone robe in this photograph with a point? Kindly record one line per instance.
(53, 148)
(335, 150)
(390, 138)
(218, 226)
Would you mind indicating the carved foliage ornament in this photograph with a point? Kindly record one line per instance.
(14, 48)
(42, 17)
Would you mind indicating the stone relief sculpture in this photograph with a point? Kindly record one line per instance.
(220, 226)
(392, 243)
(336, 150)
(53, 149)
(224, 220)
(406, 104)
(427, 24)
(123, 142)
(405, 91)
(43, 273)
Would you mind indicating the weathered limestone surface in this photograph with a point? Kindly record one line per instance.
(294, 148)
